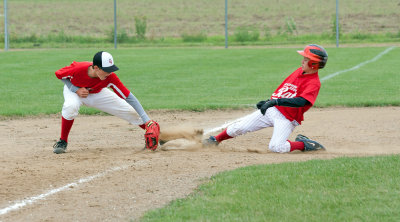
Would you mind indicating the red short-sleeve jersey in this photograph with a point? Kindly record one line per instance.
(77, 72)
(298, 84)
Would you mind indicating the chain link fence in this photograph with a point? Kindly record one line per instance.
(168, 19)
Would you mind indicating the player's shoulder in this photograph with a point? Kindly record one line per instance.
(313, 81)
(113, 78)
(297, 72)
(81, 64)
(78, 65)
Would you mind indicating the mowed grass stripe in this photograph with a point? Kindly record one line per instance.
(342, 189)
(199, 78)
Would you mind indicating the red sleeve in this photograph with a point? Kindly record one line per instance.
(68, 72)
(310, 93)
(116, 85)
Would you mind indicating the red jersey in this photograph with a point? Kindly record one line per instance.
(298, 85)
(77, 72)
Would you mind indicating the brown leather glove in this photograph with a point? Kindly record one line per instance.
(152, 134)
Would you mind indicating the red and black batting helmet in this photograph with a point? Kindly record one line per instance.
(317, 55)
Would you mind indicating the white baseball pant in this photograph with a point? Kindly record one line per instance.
(272, 118)
(106, 101)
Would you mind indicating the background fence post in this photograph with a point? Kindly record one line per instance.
(226, 23)
(115, 24)
(337, 23)
(5, 27)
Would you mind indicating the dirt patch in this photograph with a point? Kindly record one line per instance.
(111, 178)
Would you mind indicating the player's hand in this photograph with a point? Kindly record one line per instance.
(268, 104)
(259, 104)
(82, 92)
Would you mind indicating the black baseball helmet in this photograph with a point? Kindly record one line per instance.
(317, 55)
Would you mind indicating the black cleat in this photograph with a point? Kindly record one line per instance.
(212, 141)
(162, 142)
(60, 147)
(309, 145)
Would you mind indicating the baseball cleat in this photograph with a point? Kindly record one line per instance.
(162, 142)
(60, 147)
(309, 145)
(299, 136)
(212, 141)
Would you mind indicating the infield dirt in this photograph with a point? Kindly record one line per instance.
(143, 180)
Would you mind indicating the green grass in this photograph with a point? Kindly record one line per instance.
(375, 84)
(199, 78)
(63, 40)
(342, 189)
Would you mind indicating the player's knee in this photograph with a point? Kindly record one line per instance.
(70, 111)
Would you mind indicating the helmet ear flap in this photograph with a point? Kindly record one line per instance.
(313, 64)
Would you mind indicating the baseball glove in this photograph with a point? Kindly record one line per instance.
(152, 134)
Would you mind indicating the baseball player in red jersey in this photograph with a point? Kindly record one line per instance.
(286, 107)
(86, 83)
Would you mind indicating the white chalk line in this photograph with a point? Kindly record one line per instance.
(322, 79)
(32, 200)
(359, 65)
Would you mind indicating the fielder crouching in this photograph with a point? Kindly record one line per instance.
(85, 83)
(285, 109)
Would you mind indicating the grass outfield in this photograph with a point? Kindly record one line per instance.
(342, 189)
(200, 78)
